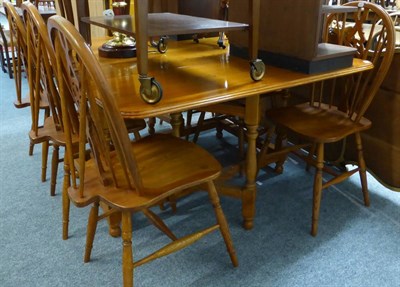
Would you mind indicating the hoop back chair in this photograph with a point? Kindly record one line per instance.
(18, 48)
(42, 67)
(336, 108)
(127, 176)
(41, 77)
(18, 37)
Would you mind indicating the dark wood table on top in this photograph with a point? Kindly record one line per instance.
(196, 75)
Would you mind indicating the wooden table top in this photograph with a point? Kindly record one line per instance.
(196, 75)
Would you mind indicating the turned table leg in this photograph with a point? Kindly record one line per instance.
(250, 189)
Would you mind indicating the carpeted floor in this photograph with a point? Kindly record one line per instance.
(356, 246)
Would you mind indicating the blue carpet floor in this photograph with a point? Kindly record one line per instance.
(356, 246)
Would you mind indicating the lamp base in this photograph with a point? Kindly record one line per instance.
(117, 52)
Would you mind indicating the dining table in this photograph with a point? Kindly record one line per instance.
(195, 75)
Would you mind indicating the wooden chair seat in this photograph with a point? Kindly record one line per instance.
(166, 163)
(50, 131)
(43, 133)
(26, 102)
(306, 120)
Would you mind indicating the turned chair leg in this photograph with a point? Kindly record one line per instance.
(199, 125)
(45, 153)
(54, 169)
(241, 137)
(127, 256)
(223, 225)
(362, 169)
(2, 60)
(31, 146)
(310, 156)
(279, 143)
(317, 188)
(91, 230)
(172, 200)
(264, 149)
(219, 131)
(189, 115)
(9, 66)
(150, 126)
(65, 201)
(137, 135)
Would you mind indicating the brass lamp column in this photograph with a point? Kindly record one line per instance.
(121, 45)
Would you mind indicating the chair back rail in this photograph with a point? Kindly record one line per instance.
(40, 65)
(370, 31)
(64, 8)
(18, 46)
(90, 110)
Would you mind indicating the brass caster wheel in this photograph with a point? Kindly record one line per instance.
(152, 95)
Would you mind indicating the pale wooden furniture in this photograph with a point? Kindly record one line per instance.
(19, 48)
(54, 127)
(18, 44)
(197, 76)
(384, 135)
(19, 53)
(127, 176)
(336, 108)
(41, 73)
(42, 65)
(382, 141)
(41, 76)
(5, 46)
(385, 132)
